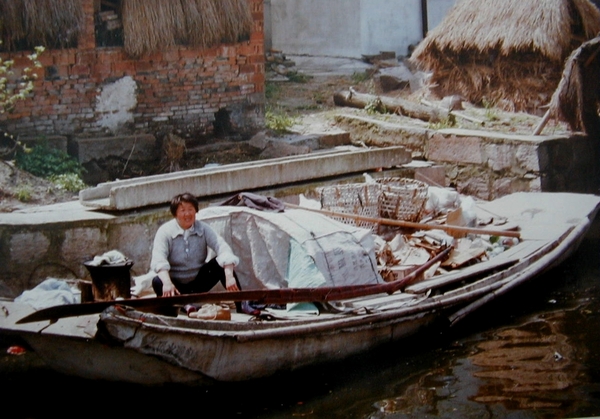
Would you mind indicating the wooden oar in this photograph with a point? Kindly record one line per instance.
(409, 224)
(276, 296)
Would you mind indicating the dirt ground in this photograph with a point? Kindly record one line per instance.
(20, 189)
(305, 99)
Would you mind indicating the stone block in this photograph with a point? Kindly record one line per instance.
(334, 139)
(277, 149)
(431, 175)
(92, 239)
(142, 147)
(500, 156)
(28, 248)
(527, 158)
(457, 149)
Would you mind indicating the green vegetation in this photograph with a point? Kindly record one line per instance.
(490, 110)
(70, 182)
(56, 165)
(360, 77)
(448, 122)
(24, 193)
(278, 121)
(272, 90)
(375, 106)
(296, 77)
(13, 89)
(18, 88)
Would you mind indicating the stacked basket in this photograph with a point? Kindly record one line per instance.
(395, 198)
(402, 198)
(360, 199)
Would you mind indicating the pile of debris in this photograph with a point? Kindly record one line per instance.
(280, 68)
(431, 220)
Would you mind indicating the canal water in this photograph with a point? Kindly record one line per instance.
(534, 353)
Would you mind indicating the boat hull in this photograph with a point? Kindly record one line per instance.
(152, 349)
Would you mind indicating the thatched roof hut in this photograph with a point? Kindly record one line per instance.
(152, 25)
(25, 24)
(509, 53)
(577, 98)
(148, 25)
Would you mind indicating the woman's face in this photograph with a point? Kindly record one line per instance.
(185, 215)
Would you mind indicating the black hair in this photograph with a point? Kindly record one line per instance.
(184, 197)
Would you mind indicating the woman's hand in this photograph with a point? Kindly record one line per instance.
(169, 289)
(230, 283)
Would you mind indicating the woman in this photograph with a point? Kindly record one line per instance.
(180, 251)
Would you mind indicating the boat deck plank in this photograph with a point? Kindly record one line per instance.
(81, 326)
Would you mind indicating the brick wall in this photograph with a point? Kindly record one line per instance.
(179, 88)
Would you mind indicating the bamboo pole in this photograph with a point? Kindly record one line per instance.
(540, 127)
(410, 224)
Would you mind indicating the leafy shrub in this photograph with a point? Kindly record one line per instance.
(272, 90)
(359, 77)
(24, 193)
(296, 77)
(44, 161)
(278, 121)
(70, 182)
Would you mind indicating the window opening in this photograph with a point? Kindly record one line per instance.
(109, 24)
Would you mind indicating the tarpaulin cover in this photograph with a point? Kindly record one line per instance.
(295, 248)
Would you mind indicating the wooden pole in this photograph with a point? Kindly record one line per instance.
(543, 122)
(269, 296)
(351, 98)
(409, 224)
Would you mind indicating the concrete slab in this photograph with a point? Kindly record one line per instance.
(155, 190)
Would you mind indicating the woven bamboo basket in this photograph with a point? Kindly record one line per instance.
(402, 198)
(352, 198)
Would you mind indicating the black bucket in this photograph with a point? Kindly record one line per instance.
(110, 282)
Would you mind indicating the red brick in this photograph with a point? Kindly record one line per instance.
(87, 58)
(65, 57)
(190, 53)
(171, 55)
(143, 67)
(123, 68)
(101, 70)
(80, 70)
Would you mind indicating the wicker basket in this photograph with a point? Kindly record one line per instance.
(353, 198)
(402, 199)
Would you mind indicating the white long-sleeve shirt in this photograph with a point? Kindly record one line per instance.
(183, 252)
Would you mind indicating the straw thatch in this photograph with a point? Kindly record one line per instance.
(25, 24)
(150, 25)
(577, 98)
(508, 52)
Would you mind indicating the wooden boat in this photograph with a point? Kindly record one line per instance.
(126, 344)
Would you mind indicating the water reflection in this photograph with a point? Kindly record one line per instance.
(533, 368)
(527, 367)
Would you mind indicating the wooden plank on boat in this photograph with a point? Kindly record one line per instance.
(463, 274)
(499, 262)
(379, 300)
(271, 296)
(498, 280)
(82, 326)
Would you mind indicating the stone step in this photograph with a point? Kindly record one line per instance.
(159, 189)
